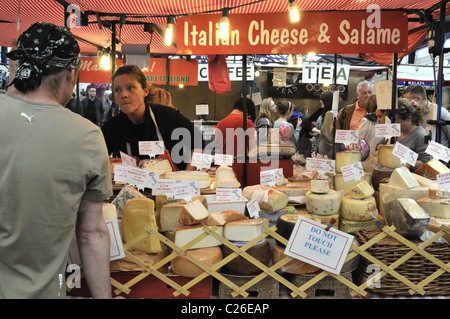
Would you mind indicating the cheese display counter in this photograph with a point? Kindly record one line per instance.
(218, 246)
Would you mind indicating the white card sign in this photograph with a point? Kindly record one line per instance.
(320, 165)
(405, 154)
(116, 250)
(228, 194)
(346, 136)
(135, 176)
(201, 160)
(443, 180)
(438, 151)
(312, 243)
(185, 190)
(253, 208)
(352, 172)
(383, 130)
(223, 159)
(128, 160)
(163, 187)
(271, 177)
(151, 148)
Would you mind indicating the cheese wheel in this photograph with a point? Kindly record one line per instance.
(323, 204)
(319, 186)
(350, 226)
(261, 251)
(358, 209)
(245, 230)
(225, 178)
(327, 219)
(380, 174)
(346, 158)
(185, 234)
(387, 159)
(182, 266)
(295, 266)
(285, 225)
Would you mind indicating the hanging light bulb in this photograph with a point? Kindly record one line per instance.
(257, 73)
(169, 31)
(293, 11)
(105, 60)
(290, 60)
(224, 24)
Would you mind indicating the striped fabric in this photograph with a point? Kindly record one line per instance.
(156, 12)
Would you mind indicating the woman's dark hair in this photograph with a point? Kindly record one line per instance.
(327, 99)
(284, 107)
(136, 74)
(406, 108)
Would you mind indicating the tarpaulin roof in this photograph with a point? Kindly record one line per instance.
(129, 16)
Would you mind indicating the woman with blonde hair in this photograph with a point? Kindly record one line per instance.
(265, 119)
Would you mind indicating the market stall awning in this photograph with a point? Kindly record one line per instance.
(129, 18)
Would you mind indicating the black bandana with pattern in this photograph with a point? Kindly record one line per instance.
(44, 46)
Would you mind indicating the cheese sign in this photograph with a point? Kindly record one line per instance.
(352, 172)
(223, 159)
(185, 190)
(253, 208)
(384, 130)
(201, 160)
(116, 246)
(151, 148)
(141, 178)
(438, 151)
(271, 177)
(443, 180)
(405, 154)
(128, 160)
(320, 165)
(163, 187)
(312, 243)
(228, 194)
(346, 136)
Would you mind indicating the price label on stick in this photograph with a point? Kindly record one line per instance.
(346, 136)
(438, 151)
(443, 180)
(228, 194)
(405, 154)
(383, 130)
(151, 148)
(320, 165)
(271, 177)
(352, 172)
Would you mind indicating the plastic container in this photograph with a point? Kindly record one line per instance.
(217, 206)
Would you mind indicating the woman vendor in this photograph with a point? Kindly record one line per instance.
(141, 121)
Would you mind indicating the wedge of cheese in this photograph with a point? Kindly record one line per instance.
(346, 158)
(169, 215)
(424, 181)
(209, 256)
(409, 218)
(431, 169)
(361, 190)
(402, 177)
(193, 213)
(221, 218)
(270, 199)
(184, 234)
(126, 193)
(225, 178)
(436, 192)
(202, 177)
(350, 226)
(387, 159)
(137, 214)
(436, 207)
(245, 230)
(160, 166)
(341, 185)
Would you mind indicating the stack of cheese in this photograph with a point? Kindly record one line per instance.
(182, 222)
(343, 159)
(359, 209)
(240, 233)
(323, 203)
(401, 184)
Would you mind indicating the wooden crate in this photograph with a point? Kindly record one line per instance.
(326, 288)
(267, 288)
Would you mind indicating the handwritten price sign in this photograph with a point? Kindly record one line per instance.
(320, 165)
(346, 136)
(438, 151)
(382, 130)
(405, 154)
(352, 172)
(151, 148)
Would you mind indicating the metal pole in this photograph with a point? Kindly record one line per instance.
(244, 115)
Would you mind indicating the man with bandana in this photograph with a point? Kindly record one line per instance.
(55, 174)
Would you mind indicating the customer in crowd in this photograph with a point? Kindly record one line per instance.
(366, 129)
(285, 109)
(107, 101)
(41, 207)
(412, 133)
(92, 107)
(325, 125)
(230, 130)
(140, 120)
(307, 130)
(264, 121)
(417, 94)
(349, 116)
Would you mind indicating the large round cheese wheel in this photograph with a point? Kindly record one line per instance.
(326, 219)
(285, 225)
(358, 209)
(261, 251)
(323, 204)
(295, 266)
(182, 266)
(387, 159)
